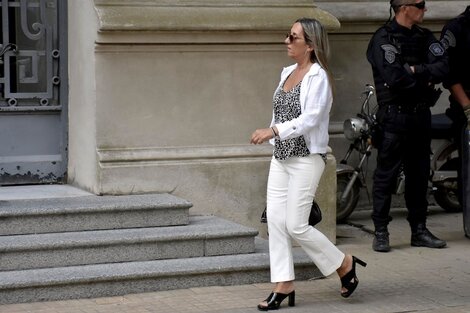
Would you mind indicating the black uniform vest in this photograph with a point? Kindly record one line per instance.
(412, 47)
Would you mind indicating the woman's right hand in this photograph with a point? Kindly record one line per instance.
(261, 135)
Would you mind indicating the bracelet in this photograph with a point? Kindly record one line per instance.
(274, 133)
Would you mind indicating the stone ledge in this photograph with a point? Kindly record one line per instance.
(152, 15)
(178, 154)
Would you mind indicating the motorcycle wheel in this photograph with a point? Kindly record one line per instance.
(343, 210)
(447, 198)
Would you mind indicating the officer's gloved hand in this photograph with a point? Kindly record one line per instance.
(466, 110)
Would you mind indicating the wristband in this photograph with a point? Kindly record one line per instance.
(274, 133)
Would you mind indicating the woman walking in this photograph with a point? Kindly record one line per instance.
(299, 133)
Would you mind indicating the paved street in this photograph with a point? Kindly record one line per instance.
(407, 279)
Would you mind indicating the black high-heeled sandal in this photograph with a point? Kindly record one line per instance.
(350, 280)
(275, 299)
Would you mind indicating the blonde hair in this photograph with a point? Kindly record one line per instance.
(317, 38)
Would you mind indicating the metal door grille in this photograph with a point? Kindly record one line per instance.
(33, 91)
(30, 71)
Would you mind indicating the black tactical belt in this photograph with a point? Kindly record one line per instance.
(407, 108)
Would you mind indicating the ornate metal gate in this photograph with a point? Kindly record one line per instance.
(33, 92)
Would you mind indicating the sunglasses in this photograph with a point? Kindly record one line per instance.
(292, 38)
(420, 5)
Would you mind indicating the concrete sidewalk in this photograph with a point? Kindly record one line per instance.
(407, 279)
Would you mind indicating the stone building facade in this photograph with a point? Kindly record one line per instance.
(163, 95)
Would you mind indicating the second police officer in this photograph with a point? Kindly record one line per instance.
(407, 60)
(455, 37)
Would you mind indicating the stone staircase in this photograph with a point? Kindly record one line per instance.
(93, 246)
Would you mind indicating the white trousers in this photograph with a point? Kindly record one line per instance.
(292, 184)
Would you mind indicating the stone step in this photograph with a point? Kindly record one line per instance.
(137, 277)
(69, 214)
(204, 236)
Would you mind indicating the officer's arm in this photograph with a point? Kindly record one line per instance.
(437, 67)
(451, 34)
(459, 94)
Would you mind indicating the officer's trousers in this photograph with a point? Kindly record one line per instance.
(459, 124)
(406, 142)
(292, 184)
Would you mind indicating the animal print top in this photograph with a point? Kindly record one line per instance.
(287, 107)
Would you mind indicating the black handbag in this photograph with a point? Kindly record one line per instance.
(315, 214)
(313, 219)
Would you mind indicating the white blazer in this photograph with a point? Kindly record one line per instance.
(315, 100)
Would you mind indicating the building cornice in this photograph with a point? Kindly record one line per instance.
(209, 15)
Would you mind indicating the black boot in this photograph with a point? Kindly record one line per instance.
(381, 242)
(422, 237)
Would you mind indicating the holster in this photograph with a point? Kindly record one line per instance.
(376, 134)
(432, 96)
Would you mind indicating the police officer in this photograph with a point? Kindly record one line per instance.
(407, 60)
(455, 37)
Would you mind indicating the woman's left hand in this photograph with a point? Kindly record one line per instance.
(261, 135)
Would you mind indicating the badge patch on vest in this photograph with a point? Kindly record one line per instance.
(436, 49)
(390, 53)
(448, 40)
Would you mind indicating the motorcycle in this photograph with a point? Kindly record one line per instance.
(350, 179)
